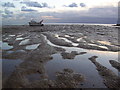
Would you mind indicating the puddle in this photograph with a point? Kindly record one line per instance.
(79, 39)
(31, 47)
(81, 64)
(20, 35)
(22, 51)
(66, 35)
(5, 46)
(9, 52)
(11, 35)
(19, 38)
(8, 66)
(24, 42)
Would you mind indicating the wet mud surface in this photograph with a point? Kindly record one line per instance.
(60, 56)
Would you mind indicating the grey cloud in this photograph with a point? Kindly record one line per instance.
(73, 5)
(93, 15)
(6, 16)
(8, 4)
(82, 5)
(35, 4)
(118, 13)
(102, 11)
(16, 0)
(45, 5)
(26, 9)
(8, 12)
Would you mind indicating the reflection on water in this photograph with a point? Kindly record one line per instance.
(19, 38)
(24, 42)
(11, 35)
(8, 66)
(5, 46)
(31, 47)
(81, 64)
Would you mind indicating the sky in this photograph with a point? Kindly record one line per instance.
(59, 11)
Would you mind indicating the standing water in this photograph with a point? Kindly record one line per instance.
(81, 64)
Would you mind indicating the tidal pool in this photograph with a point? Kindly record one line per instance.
(81, 64)
(11, 35)
(19, 38)
(5, 46)
(32, 47)
(24, 42)
(8, 66)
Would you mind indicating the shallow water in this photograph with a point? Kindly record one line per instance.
(11, 35)
(8, 66)
(31, 47)
(81, 64)
(9, 52)
(5, 46)
(24, 42)
(19, 38)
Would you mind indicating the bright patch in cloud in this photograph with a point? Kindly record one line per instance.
(49, 17)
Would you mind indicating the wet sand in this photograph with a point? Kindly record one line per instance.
(57, 56)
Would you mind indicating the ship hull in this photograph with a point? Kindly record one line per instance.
(35, 24)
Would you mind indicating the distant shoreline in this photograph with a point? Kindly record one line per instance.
(65, 24)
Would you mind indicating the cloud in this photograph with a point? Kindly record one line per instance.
(49, 17)
(8, 4)
(16, 0)
(45, 5)
(73, 5)
(35, 4)
(92, 15)
(6, 16)
(82, 5)
(8, 12)
(26, 9)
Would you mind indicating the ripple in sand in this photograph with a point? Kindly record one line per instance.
(74, 44)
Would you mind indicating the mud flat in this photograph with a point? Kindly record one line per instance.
(57, 56)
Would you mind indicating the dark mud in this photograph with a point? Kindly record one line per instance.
(71, 55)
(115, 64)
(110, 79)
